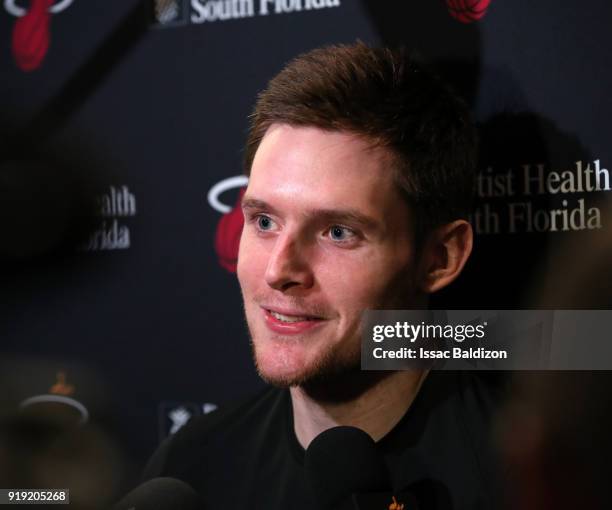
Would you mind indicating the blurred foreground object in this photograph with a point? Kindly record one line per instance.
(555, 438)
(48, 438)
(555, 434)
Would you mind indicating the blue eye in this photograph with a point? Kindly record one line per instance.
(338, 233)
(264, 222)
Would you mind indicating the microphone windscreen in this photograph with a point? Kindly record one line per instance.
(161, 494)
(342, 461)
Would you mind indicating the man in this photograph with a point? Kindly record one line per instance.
(361, 169)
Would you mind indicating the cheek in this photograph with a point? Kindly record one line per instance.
(348, 282)
(371, 279)
(251, 262)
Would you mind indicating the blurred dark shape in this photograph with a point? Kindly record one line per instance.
(555, 433)
(509, 139)
(49, 210)
(49, 184)
(555, 439)
(45, 203)
(44, 209)
(516, 138)
(56, 113)
(48, 450)
(418, 25)
(504, 266)
(47, 439)
(581, 271)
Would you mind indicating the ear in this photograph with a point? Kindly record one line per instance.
(444, 254)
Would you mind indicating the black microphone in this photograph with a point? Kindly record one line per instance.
(343, 461)
(161, 494)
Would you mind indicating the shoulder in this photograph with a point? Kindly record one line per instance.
(480, 397)
(204, 436)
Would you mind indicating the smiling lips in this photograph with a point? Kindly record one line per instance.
(290, 323)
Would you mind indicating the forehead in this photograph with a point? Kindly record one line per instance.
(313, 168)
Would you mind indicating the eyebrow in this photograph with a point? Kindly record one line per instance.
(350, 216)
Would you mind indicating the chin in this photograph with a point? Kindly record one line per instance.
(280, 366)
(282, 380)
(285, 366)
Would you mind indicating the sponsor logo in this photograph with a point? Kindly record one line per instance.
(59, 393)
(32, 30)
(113, 206)
(229, 228)
(168, 13)
(173, 416)
(467, 11)
(532, 198)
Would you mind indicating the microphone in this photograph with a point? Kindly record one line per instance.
(161, 494)
(343, 461)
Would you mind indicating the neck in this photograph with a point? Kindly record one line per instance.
(372, 401)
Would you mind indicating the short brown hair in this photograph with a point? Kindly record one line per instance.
(394, 101)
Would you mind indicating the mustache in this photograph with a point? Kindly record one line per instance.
(306, 306)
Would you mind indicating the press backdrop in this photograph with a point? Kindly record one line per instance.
(122, 125)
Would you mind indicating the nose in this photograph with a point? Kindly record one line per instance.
(288, 267)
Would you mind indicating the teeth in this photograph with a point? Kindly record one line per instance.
(287, 318)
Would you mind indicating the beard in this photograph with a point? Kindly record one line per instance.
(327, 367)
(329, 363)
(334, 374)
(331, 378)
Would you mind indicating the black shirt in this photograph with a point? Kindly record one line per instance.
(248, 456)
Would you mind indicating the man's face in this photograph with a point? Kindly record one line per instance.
(326, 236)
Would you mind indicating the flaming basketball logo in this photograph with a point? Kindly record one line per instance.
(229, 228)
(32, 30)
(467, 11)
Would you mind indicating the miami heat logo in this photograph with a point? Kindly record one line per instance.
(60, 393)
(32, 30)
(229, 228)
(467, 11)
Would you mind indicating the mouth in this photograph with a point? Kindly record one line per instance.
(290, 321)
(290, 318)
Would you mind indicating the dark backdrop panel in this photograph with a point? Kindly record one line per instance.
(143, 118)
